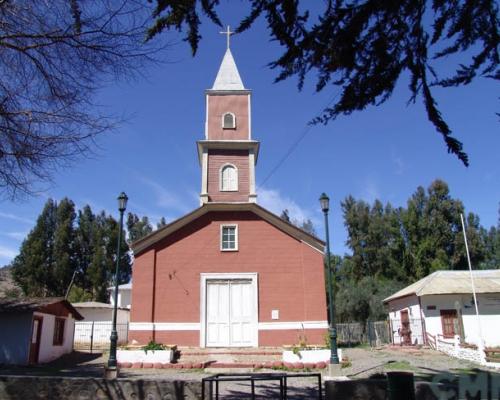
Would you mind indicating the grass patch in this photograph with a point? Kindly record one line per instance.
(399, 366)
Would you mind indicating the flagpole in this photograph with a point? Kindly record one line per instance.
(481, 343)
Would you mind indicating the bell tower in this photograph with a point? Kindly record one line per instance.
(228, 154)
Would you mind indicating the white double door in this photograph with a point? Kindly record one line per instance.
(230, 309)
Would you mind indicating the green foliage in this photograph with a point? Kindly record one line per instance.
(62, 244)
(161, 223)
(364, 47)
(406, 244)
(138, 227)
(77, 295)
(152, 346)
(361, 300)
(392, 248)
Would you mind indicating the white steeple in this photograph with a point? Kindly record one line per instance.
(228, 77)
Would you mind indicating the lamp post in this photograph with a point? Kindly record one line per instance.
(334, 357)
(122, 205)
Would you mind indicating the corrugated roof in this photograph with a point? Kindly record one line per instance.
(41, 304)
(92, 304)
(95, 304)
(452, 282)
(125, 286)
(228, 77)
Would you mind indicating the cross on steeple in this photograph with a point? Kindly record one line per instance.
(228, 33)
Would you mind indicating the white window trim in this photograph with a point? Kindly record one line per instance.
(234, 120)
(221, 189)
(235, 236)
(204, 277)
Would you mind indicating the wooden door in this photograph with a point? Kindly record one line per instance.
(405, 331)
(449, 323)
(36, 333)
(217, 313)
(241, 313)
(229, 315)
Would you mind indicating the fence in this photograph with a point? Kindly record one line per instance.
(374, 333)
(410, 333)
(94, 335)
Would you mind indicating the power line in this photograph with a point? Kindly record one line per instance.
(295, 144)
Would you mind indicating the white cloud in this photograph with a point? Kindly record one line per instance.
(7, 253)
(16, 235)
(165, 198)
(16, 218)
(276, 203)
(371, 191)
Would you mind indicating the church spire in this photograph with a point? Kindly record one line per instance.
(228, 77)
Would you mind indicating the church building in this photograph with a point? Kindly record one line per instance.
(230, 273)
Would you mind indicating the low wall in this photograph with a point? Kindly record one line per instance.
(376, 389)
(55, 388)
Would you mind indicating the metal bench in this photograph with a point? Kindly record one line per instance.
(280, 377)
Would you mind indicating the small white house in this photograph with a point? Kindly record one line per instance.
(36, 330)
(124, 295)
(95, 330)
(101, 312)
(441, 306)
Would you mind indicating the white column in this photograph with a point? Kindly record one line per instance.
(252, 197)
(204, 177)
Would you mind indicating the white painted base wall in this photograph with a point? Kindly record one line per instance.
(309, 356)
(156, 356)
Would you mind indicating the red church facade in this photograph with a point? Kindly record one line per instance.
(230, 273)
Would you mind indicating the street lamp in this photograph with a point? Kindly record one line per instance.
(122, 205)
(324, 201)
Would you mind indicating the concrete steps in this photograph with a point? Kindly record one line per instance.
(219, 358)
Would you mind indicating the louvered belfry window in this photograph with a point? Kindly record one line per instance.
(229, 178)
(229, 121)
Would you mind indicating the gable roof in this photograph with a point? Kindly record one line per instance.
(48, 305)
(228, 77)
(452, 282)
(96, 304)
(146, 242)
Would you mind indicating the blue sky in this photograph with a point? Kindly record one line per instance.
(383, 152)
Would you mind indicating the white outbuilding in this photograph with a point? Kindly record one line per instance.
(36, 330)
(441, 307)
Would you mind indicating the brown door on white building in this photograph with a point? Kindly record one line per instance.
(36, 334)
(449, 322)
(405, 331)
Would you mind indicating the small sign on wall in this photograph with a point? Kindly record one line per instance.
(275, 314)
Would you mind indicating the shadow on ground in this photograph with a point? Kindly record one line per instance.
(77, 364)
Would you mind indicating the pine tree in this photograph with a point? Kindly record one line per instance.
(138, 228)
(32, 268)
(161, 223)
(64, 255)
(56, 248)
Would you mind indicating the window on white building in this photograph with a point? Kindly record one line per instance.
(229, 178)
(228, 121)
(229, 238)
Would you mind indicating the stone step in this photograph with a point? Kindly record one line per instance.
(229, 356)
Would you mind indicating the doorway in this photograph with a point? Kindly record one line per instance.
(36, 334)
(405, 331)
(230, 312)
